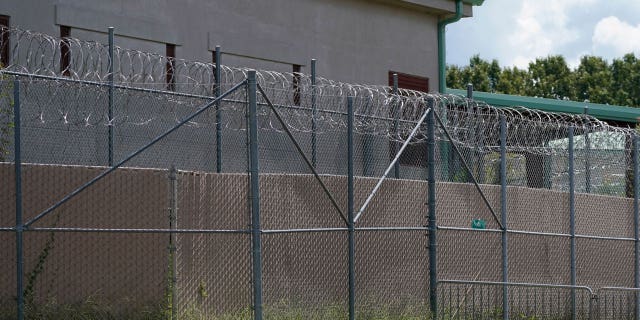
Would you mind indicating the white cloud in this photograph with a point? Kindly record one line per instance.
(541, 27)
(517, 32)
(612, 34)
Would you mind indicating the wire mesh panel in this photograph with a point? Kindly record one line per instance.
(211, 265)
(8, 277)
(137, 201)
(469, 255)
(64, 122)
(483, 300)
(617, 303)
(539, 259)
(118, 223)
(213, 276)
(391, 254)
(392, 278)
(602, 263)
(304, 262)
(6, 119)
(60, 275)
(305, 275)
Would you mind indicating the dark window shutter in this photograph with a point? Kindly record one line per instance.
(171, 59)
(65, 50)
(4, 40)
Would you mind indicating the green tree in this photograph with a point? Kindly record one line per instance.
(593, 79)
(477, 74)
(551, 78)
(513, 81)
(454, 77)
(625, 73)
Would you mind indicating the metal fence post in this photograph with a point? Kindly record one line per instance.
(173, 224)
(431, 198)
(636, 224)
(572, 219)
(314, 115)
(255, 196)
(587, 157)
(367, 145)
(503, 207)
(111, 90)
(396, 123)
(18, 185)
(217, 76)
(350, 195)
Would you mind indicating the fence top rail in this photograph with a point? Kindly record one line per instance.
(536, 233)
(618, 289)
(518, 284)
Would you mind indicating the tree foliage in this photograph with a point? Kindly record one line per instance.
(594, 79)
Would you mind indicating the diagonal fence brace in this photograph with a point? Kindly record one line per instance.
(309, 163)
(466, 167)
(392, 164)
(132, 155)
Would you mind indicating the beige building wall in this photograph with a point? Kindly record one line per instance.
(354, 40)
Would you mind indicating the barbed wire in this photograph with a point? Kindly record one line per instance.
(78, 73)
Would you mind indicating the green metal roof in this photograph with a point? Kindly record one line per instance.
(600, 111)
(474, 2)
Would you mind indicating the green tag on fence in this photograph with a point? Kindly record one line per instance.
(478, 224)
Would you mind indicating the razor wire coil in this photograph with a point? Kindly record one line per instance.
(79, 66)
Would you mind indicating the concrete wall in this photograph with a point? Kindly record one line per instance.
(300, 269)
(354, 41)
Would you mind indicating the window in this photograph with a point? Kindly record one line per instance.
(415, 154)
(65, 52)
(4, 40)
(297, 69)
(171, 59)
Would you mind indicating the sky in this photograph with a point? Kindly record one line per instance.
(516, 32)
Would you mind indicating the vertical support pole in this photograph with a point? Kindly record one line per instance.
(572, 219)
(431, 176)
(546, 165)
(478, 154)
(173, 224)
(350, 196)
(218, 74)
(587, 158)
(367, 143)
(396, 124)
(19, 222)
(111, 90)
(636, 223)
(445, 149)
(314, 116)
(503, 209)
(255, 196)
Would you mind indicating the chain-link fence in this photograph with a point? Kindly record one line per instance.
(226, 193)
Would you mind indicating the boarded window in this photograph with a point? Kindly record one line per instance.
(65, 50)
(171, 60)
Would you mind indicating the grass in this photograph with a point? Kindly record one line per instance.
(91, 309)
